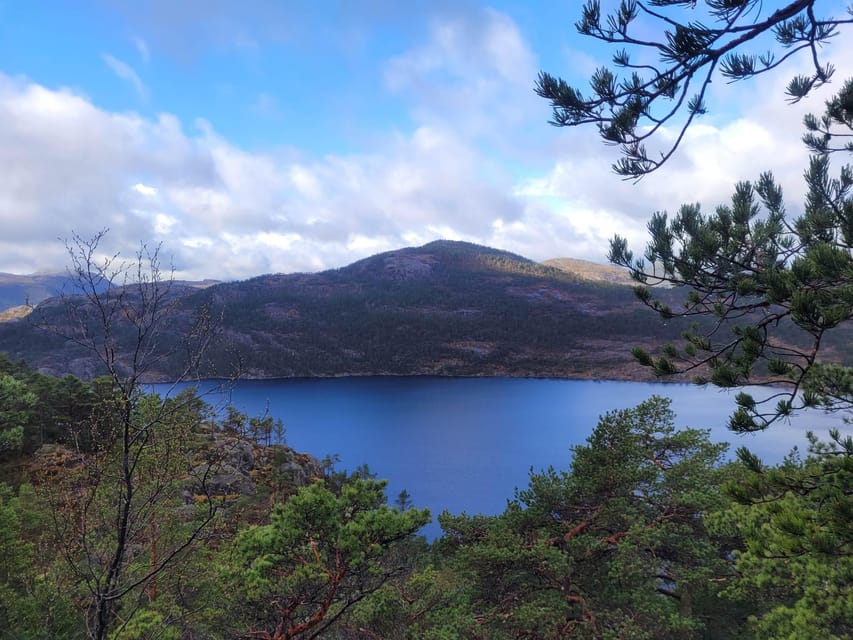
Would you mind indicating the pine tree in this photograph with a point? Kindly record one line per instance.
(614, 547)
(670, 91)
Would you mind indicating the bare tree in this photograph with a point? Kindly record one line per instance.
(124, 522)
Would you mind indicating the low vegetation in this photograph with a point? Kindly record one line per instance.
(646, 533)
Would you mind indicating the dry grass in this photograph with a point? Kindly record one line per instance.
(15, 313)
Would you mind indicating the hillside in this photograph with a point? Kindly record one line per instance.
(16, 290)
(592, 271)
(15, 313)
(447, 308)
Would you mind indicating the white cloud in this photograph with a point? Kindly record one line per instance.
(74, 167)
(142, 49)
(125, 72)
(144, 189)
(476, 161)
(276, 211)
(368, 244)
(163, 224)
(305, 182)
(474, 73)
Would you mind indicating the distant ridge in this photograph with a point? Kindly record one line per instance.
(20, 290)
(17, 290)
(592, 271)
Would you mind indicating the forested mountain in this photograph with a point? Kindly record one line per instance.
(20, 290)
(446, 308)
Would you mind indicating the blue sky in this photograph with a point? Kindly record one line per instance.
(252, 137)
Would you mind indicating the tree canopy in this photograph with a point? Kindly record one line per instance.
(771, 297)
(773, 293)
(614, 547)
(663, 82)
(322, 552)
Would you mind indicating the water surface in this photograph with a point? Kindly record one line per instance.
(465, 444)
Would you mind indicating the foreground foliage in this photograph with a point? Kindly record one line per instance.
(322, 552)
(614, 547)
(753, 272)
(797, 560)
(758, 275)
(646, 534)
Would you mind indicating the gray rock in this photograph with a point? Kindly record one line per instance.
(299, 470)
(238, 454)
(292, 472)
(219, 480)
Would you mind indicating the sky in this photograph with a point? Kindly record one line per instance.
(251, 137)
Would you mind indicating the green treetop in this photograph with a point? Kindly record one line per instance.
(323, 551)
(614, 547)
(774, 295)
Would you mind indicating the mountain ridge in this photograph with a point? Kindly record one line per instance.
(445, 308)
(592, 270)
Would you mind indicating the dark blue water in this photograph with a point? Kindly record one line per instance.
(465, 444)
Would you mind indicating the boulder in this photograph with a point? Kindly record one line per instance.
(292, 472)
(236, 453)
(297, 469)
(218, 480)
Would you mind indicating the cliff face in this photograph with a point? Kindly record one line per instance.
(446, 308)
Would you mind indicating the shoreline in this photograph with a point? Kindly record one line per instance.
(342, 376)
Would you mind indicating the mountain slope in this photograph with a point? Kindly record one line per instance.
(592, 270)
(447, 308)
(18, 290)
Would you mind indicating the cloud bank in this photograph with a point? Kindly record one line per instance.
(475, 161)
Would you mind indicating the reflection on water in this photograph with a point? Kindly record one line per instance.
(465, 444)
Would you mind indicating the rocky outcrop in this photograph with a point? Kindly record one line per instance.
(235, 452)
(229, 468)
(53, 461)
(237, 466)
(219, 481)
(297, 469)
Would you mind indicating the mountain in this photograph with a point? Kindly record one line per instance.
(592, 270)
(446, 308)
(18, 290)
